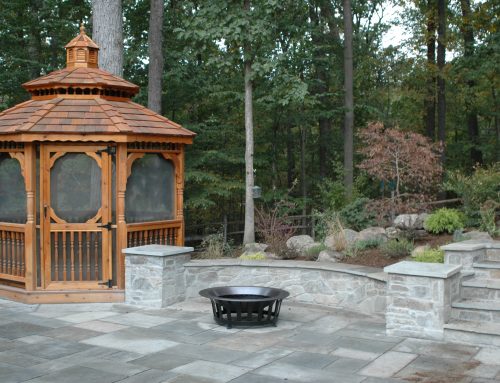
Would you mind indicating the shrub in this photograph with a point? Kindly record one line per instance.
(314, 251)
(368, 244)
(397, 248)
(444, 220)
(336, 230)
(488, 215)
(275, 228)
(475, 189)
(213, 246)
(430, 255)
(356, 216)
(254, 257)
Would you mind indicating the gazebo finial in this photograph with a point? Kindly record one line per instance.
(82, 29)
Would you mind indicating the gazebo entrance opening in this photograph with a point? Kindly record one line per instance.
(77, 222)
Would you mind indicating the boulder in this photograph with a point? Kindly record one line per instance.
(351, 237)
(300, 243)
(410, 221)
(372, 234)
(419, 250)
(392, 232)
(330, 256)
(477, 236)
(252, 248)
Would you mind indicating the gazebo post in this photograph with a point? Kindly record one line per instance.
(121, 231)
(30, 228)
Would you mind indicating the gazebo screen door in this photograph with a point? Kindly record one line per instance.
(76, 216)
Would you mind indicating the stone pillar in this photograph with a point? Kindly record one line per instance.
(419, 297)
(465, 253)
(154, 275)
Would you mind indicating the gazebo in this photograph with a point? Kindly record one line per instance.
(84, 173)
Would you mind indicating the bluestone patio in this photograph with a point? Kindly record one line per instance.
(107, 342)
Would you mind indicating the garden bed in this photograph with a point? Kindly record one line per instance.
(375, 258)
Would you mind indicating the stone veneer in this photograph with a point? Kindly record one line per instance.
(154, 275)
(357, 288)
(419, 297)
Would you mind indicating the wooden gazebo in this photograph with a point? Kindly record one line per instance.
(84, 173)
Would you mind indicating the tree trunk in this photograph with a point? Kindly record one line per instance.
(348, 100)
(290, 159)
(321, 89)
(430, 101)
(107, 32)
(441, 60)
(249, 231)
(303, 169)
(155, 43)
(476, 155)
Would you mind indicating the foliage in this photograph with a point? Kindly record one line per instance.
(397, 248)
(368, 243)
(475, 189)
(335, 229)
(488, 214)
(275, 228)
(313, 252)
(254, 257)
(431, 256)
(408, 159)
(213, 246)
(356, 216)
(444, 220)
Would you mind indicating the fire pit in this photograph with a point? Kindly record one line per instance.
(245, 305)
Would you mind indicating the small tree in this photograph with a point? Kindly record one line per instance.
(408, 159)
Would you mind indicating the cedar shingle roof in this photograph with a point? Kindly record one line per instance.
(86, 100)
(81, 77)
(94, 115)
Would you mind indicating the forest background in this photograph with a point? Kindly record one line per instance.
(440, 80)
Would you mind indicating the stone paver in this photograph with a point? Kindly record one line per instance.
(182, 344)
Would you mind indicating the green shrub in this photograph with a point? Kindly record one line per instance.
(430, 255)
(444, 220)
(368, 243)
(397, 248)
(356, 216)
(314, 251)
(475, 189)
(254, 257)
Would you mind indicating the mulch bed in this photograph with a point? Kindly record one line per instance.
(375, 258)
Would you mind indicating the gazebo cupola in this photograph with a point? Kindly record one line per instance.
(82, 52)
(84, 173)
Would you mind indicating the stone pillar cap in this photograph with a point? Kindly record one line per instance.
(157, 250)
(422, 269)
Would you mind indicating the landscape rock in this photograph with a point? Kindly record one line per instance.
(330, 256)
(410, 221)
(372, 234)
(392, 232)
(300, 243)
(477, 235)
(351, 237)
(419, 250)
(252, 248)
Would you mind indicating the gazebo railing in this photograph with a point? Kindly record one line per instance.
(159, 233)
(12, 254)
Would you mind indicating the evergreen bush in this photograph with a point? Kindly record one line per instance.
(444, 220)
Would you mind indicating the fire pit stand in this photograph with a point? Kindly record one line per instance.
(245, 305)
